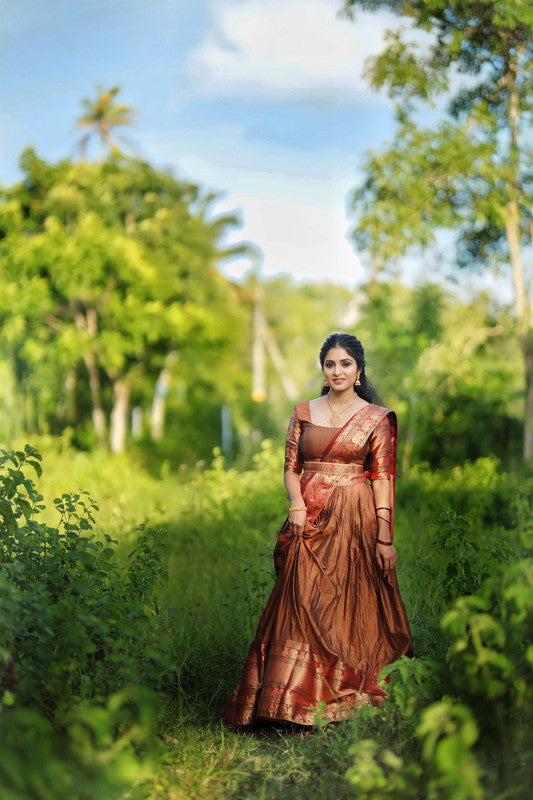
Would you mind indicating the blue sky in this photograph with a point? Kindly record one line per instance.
(260, 100)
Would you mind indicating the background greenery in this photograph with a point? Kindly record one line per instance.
(133, 569)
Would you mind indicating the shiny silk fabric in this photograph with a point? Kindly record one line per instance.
(333, 619)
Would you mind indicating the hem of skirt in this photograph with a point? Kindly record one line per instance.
(315, 717)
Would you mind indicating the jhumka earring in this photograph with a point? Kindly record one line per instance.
(357, 382)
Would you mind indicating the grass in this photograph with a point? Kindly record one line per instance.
(221, 527)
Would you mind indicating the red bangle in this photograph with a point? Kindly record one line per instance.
(382, 542)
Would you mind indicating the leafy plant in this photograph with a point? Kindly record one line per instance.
(73, 622)
(461, 559)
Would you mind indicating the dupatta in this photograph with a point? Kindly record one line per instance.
(318, 486)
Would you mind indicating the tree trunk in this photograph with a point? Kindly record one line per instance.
(157, 416)
(523, 310)
(97, 410)
(65, 407)
(119, 416)
(279, 365)
(258, 346)
(89, 322)
(513, 232)
(511, 219)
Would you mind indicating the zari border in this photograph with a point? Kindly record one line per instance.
(271, 696)
(317, 487)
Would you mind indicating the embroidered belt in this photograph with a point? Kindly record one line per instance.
(343, 473)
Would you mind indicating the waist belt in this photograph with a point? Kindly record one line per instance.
(347, 473)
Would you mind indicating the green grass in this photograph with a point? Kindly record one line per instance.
(220, 527)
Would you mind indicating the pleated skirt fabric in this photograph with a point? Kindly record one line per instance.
(332, 622)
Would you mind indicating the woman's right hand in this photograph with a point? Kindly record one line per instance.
(297, 521)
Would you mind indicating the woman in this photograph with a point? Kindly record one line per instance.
(335, 616)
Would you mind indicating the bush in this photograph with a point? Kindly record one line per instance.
(97, 753)
(84, 644)
(74, 623)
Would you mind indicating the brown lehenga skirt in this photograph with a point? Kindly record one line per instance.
(332, 622)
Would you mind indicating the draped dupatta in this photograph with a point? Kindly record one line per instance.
(318, 486)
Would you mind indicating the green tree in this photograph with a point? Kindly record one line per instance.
(101, 117)
(470, 173)
(446, 367)
(107, 269)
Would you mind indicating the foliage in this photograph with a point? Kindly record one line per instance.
(103, 285)
(102, 116)
(455, 723)
(84, 646)
(470, 173)
(490, 651)
(442, 365)
(74, 622)
(99, 753)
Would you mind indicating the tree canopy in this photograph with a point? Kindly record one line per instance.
(109, 268)
(470, 172)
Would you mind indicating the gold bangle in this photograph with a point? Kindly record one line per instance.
(298, 508)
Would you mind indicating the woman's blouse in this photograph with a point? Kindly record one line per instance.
(307, 442)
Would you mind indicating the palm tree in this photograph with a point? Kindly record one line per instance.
(101, 117)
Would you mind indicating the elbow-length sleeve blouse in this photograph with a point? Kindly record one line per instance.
(294, 461)
(380, 465)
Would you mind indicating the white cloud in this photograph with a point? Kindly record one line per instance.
(292, 203)
(308, 241)
(288, 50)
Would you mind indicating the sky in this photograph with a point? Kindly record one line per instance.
(261, 101)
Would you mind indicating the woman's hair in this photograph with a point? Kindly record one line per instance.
(353, 346)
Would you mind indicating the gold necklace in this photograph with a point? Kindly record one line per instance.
(335, 418)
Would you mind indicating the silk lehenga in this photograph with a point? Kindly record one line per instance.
(333, 620)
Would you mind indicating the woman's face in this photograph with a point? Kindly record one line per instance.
(340, 369)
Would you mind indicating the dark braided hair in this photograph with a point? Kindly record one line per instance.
(353, 346)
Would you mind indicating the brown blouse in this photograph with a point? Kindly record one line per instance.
(307, 442)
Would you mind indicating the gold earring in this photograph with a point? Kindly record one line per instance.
(357, 382)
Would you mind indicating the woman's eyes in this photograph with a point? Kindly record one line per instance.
(344, 364)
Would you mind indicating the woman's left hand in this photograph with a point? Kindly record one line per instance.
(386, 555)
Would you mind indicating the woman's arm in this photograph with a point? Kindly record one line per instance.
(380, 466)
(385, 550)
(291, 475)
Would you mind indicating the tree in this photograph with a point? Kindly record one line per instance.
(101, 117)
(470, 173)
(108, 268)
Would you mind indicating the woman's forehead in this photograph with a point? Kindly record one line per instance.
(338, 354)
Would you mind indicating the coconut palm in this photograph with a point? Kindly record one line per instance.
(101, 117)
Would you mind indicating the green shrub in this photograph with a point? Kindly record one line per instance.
(84, 646)
(481, 490)
(97, 753)
(491, 664)
(73, 622)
